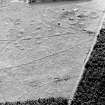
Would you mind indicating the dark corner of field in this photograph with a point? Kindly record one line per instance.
(91, 88)
(40, 101)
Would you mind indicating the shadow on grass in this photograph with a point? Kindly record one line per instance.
(56, 1)
(41, 101)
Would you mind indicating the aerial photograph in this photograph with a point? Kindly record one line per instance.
(52, 52)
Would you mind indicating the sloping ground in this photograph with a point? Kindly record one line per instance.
(44, 47)
(91, 88)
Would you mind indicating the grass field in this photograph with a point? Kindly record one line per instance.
(43, 48)
(90, 90)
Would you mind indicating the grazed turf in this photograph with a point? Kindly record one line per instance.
(41, 54)
(90, 90)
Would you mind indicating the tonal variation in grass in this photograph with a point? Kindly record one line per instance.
(91, 88)
(41, 101)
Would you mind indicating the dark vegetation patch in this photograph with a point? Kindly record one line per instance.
(91, 88)
(51, 1)
(41, 101)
